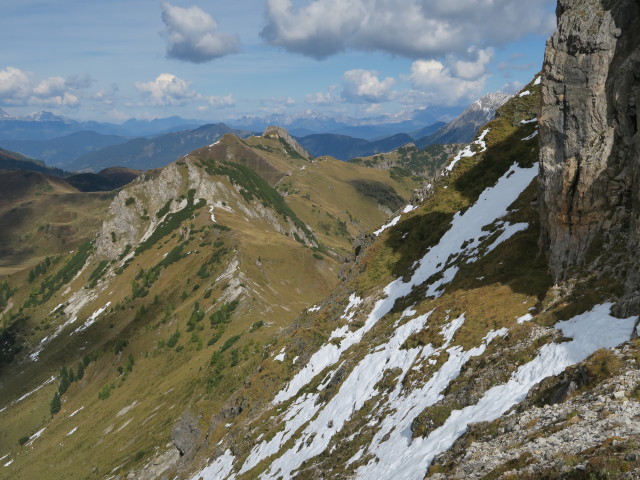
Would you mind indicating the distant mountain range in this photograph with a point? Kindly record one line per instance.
(103, 181)
(46, 125)
(63, 150)
(311, 122)
(145, 144)
(146, 153)
(460, 130)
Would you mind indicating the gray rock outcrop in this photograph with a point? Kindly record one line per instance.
(590, 146)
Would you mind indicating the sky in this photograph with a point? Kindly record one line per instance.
(111, 60)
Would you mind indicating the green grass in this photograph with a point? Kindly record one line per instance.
(253, 186)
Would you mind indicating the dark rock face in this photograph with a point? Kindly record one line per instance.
(185, 433)
(590, 146)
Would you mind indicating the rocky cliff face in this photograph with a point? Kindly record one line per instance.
(590, 147)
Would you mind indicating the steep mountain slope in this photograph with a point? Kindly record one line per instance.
(463, 128)
(193, 276)
(62, 150)
(145, 153)
(411, 160)
(42, 215)
(434, 291)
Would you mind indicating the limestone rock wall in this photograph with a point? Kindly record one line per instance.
(590, 147)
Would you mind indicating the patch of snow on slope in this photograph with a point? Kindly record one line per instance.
(353, 393)
(281, 356)
(359, 387)
(75, 411)
(538, 80)
(218, 470)
(35, 436)
(409, 208)
(468, 150)
(525, 93)
(213, 218)
(466, 229)
(28, 394)
(349, 311)
(590, 331)
(525, 122)
(525, 318)
(387, 225)
(533, 135)
(92, 319)
(300, 412)
(73, 430)
(8, 463)
(315, 308)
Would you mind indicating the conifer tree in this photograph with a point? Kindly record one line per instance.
(56, 404)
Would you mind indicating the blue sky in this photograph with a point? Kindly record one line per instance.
(111, 60)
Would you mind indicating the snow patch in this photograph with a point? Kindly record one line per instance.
(387, 225)
(92, 319)
(76, 411)
(315, 308)
(466, 229)
(525, 93)
(28, 394)
(468, 150)
(35, 436)
(73, 430)
(409, 208)
(525, 318)
(349, 311)
(526, 122)
(8, 463)
(538, 80)
(281, 356)
(218, 470)
(590, 331)
(533, 135)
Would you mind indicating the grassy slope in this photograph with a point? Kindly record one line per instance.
(492, 292)
(164, 381)
(42, 215)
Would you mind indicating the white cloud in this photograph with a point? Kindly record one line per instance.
(364, 86)
(410, 28)
(434, 83)
(170, 90)
(167, 90)
(330, 97)
(470, 70)
(20, 88)
(192, 35)
(225, 101)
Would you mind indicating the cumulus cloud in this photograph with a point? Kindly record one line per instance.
(364, 86)
(472, 69)
(20, 88)
(409, 28)
(192, 35)
(433, 82)
(226, 101)
(332, 96)
(167, 90)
